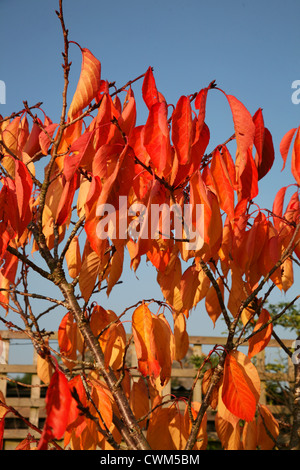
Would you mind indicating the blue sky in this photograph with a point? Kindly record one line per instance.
(251, 49)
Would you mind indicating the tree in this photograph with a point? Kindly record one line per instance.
(108, 186)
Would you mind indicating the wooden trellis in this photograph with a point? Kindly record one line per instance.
(32, 406)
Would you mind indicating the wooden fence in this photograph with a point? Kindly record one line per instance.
(29, 401)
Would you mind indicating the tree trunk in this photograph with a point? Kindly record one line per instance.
(295, 434)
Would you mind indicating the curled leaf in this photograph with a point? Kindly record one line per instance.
(88, 85)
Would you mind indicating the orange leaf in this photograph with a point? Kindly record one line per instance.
(237, 395)
(139, 400)
(212, 303)
(44, 369)
(249, 436)
(163, 337)
(88, 85)
(67, 339)
(73, 258)
(103, 403)
(169, 281)
(89, 271)
(116, 269)
(111, 338)
(142, 327)
(178, 430)
(260, 340)
(266, 423)
(229, 434)
(181, 336)
(158, 433)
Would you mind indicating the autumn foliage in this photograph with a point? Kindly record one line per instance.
(95, 155)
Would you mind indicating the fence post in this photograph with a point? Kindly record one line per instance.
(260, 365)
(4, 354)
(35, 394)
(197, 393)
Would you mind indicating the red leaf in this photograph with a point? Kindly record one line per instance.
(265, 162)
(149, 90)
(200, 103)
(243, 125)
(248, 179)
(66, 200)
(285, 145)
(223, 185)
(296, 157)
(260, 340)
(182, 129)
(259, 132)
(236, 394)
(128, 116)
(58, 401)
(156, 138)
(45, 137)
(24, 185)
(77, 153)
(278, 206)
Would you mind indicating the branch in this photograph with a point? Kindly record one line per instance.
(25, 260)
(218, 291)
(28, 423)
(13, 115)
(77, 226)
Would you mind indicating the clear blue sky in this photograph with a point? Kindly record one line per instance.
(251, 49)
